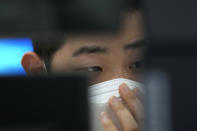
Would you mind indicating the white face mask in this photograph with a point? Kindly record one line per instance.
(99, 95)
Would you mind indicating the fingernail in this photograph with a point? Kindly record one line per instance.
(124, 88)
(114, 100)
(103, 116)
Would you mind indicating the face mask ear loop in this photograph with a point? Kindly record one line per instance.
(44, 66)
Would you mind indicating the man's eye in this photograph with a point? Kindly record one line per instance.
(91, 69)
(137, 65)
(94, 69)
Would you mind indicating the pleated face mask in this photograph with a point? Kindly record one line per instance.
(99, 95)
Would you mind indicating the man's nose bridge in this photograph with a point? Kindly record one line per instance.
(120, 74)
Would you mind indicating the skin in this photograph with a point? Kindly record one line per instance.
(104, 57)
(115, 62)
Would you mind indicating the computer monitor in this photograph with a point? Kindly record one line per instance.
(44, 103)
(11, 53)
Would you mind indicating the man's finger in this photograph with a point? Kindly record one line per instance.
(124, 116)
(107, 123)
(139, 94)
(132, 101)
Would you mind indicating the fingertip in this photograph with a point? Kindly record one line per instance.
(111, 99)
(103, 116)
(123, 84)
(106, 122)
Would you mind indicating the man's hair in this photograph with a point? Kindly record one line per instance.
(46, 46)
(133, 5)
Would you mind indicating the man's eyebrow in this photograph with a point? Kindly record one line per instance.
(89, 50)
(135, 44)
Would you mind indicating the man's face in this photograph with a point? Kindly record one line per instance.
(104, 57)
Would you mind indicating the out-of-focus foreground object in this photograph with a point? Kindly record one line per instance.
(53, 103)
(172, 51)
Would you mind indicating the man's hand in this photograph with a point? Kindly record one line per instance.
(129, 111)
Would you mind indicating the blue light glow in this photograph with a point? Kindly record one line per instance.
(11, 53)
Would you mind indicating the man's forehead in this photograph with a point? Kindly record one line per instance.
(132, 30)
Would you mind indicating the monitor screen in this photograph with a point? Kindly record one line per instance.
(11, 53)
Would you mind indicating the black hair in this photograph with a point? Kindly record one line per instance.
(133, 5)
(46, 46)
